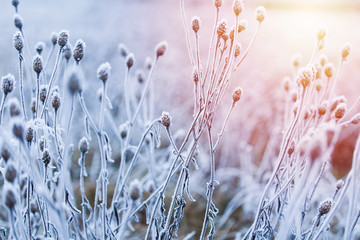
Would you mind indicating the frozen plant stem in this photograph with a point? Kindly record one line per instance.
(182, 9)
(28, 205)
(2, 106)
(13, 224)
(56, 136)
(82, 189)
(126, 94)
(21, 79)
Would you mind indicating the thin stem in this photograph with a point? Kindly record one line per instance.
(2, 107)
(13, 224)
(182, 9)
(223, 128)
(28, 205)
(21, 78)
(56, 136)
(83, 196)
(126, 95)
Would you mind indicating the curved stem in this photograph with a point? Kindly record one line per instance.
(21, 78)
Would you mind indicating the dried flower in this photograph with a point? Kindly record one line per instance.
(340, 111)
(54, 38)
(38, 64)
(8, 83)
(325, 207)
(14, 107)
(10, 173)
(319, 85)
(103, 72)
(39, 47)
(237, 49)
(291, 149)
(305, 76)
(165, 119)
(43, 93)
(238, 7)
(345, 51)
(195, 75)
(79, 50)
(140, 76)
(130, 60)
(67, 52)
(218, 3)
(10, 198)
(148, 63)
(221, 28)
(321, 33)
(242, 25)
(5, 154)
(55, 100)
(160, 49)
(123, 50)
(123, 130)
(322, 108)
(339, 184)
(84, 145)
(29, 134)
(18, 42)
(237, 94)
(46, 158)
(74, 81)
(18, 130)
(33, 105)
(260, 14)
(329, 70)
(195, 23)
(135, 190)
(63, 38)
(323, 60)
(18, 21)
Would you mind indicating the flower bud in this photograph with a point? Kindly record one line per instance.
(8, 83)
(79, 49)
(56, 100)
(18, 21)
(237, 49)
(46, 158)
(84, 145)
(10, 173)
(165, 119)
(237, 94)
(103, 72)
(29, 134)
(39, 47)
(325, 207)
(238, 7)
(218, 3)
(260, 14)
(37, 64)
(160, 49)
(135, 190)
(43, 93)
(63, 38)
(130, 60)
(18, 42)
(195, 24)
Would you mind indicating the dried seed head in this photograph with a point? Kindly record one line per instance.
(130, 60)
(8, 83)
(242, 25)
(336, 101)
(323, 60)
(237, 49)
(221, 28)
(165, 119)
(340, 111)
(54, 38)
(237, 94)
(231, 34)
(293, 96)
(29, 134)
(321, 33)
(15, 3)
(305, 76)
(79, 50)
(123, 129)
(140, 76)
(218, 3)
(296, 59)
(325, 207)
(18, 21)
(319, 85)
(318, 71)
(37, 64)
(345, 51)
(339, 184)
(14, 107)
(18, 42)
(39, 47)
(329, 70)
(195, 75)
(10, 173)
(135, 190)
(46, 158)
(74, 82)
(322, 108)
(10, 199)
(260, 14)
(123, 50)
(286, 83)
(195, 23)
(56, 100)
(67, 52)
(5, 154)
(33, 105)
(42, 144)
(238, 7)
(18, 130)
(84, 145)
(103, 72)
(291, 149)
(148, 63)
(160, 49)
(63, 38)
(43, 93)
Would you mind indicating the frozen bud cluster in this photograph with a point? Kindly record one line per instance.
(161, 48)
(305, 76)
(340, 111)
(221, 28)
(242, 25)
(39, 47)
(237, 49)
(8, 83)
(18, 42)
(43, 93)
(135, 190)
(10, 173)
(63, 38)
(123, 50)
(345, 51)
(329, 70)
(195, 75)
(238, 7)
(195, 23)
(103, 72)
(29, 134)
(84, 145)
(79, 50)
(165, 119)
(130, 60)
(54, 38)
(325, 207)
(56, 100)
(260, 14)
(321, 33)
(38, 64)
(18, 21)
(237, 94)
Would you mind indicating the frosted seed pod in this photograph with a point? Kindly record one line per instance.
(54, 38)
(79, 50)
(340, 111)
(10, 198)
(18, 130)
(323, 60)
(37, 64)
(74, 82)
(103, 72)
(39, 47)
(55, 100)
(18, 42)
(46, 158)
(14, 107)
(63, 38)
(238, 7)
(321, 33)
(237, 49)
(195, 24)
(84, 145)
(237, 94)
(8, 83)
(260, 14)
(160, 49)
(123, 50)
(5, 154)
(165, 119)
(218, 3)
(221, 28)
(135, 190)
(305, 76)
(18, 21)
(195, 75)
(130, 60)
(67, 52)
(329, 70)
(345, 51)
(29, 134)
(10, 173)
(43, 93)
(325, 207)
